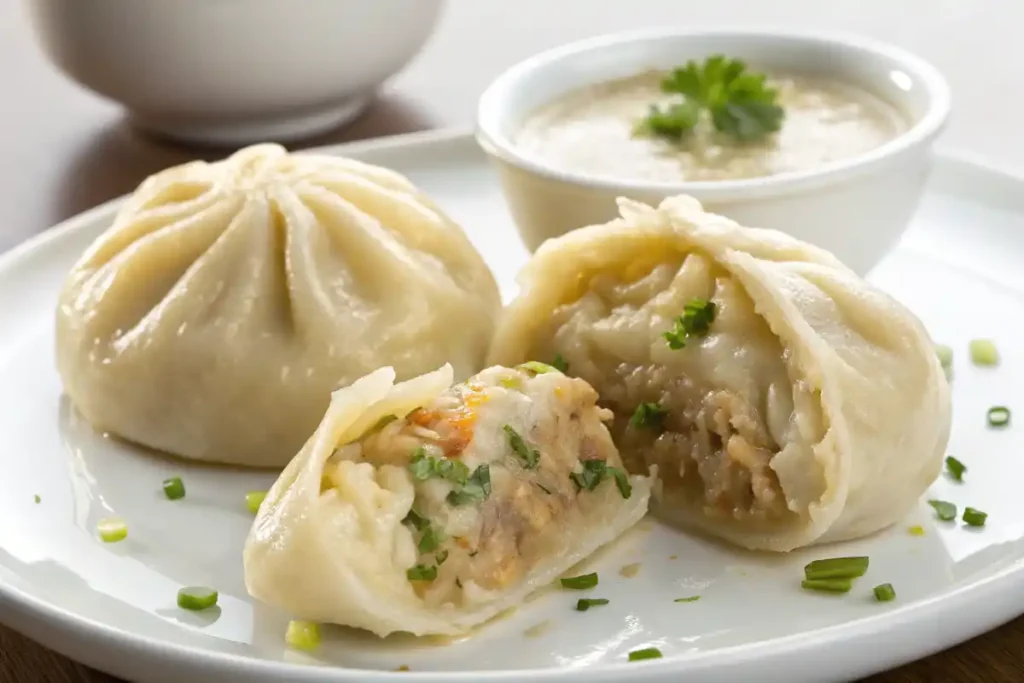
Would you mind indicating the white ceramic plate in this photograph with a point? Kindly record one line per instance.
(113, 606)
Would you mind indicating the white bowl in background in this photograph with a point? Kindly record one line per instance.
(856, 208)
(231, 72)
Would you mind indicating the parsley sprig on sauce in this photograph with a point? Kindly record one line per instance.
(738, 101)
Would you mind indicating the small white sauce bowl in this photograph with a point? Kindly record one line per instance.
(856, 208)
(232, 72)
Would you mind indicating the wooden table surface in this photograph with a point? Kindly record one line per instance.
(63, 150)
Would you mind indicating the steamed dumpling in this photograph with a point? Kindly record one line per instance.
(430, 508)
(215, 316)
(784, 400)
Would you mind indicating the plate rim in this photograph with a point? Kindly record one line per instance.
(64, 626)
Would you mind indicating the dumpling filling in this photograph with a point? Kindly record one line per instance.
(501, 466)
(699, 386)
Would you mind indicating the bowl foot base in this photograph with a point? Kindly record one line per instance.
(234, 132)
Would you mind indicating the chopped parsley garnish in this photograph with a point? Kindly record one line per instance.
(836, 568)
(974, 517)
(739, 102)
(983, 352)
(579, 583)
(476, 489)
(441, 557)
(530, 457)
(537, 368)
(418, 521)
(828, 585)
(695, 321)
(424, 467)
(648, 416)
(884, 592)
(560, 364)
(594, 472)
(645, 653)
(998, 416)
(621, 481)
(955, 468)
(430, 540)
(583, 604)
(383, 422)
(692, 598)
(421, 572)
(944, 510)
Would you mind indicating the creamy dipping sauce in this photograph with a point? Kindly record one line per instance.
(592, 131)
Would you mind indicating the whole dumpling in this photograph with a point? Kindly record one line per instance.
(227, 300)
(430, 508)
(785, 400)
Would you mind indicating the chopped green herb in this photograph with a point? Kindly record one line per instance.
(302, 635)
(418, 521)
(537, 368)
(593, 472)
(974, 517)
(983, 352)
(828, 585)
(739, 102)
(944, 511)
(112, 529)
(382, 423)
(648, 416)
(174, 488)
(421, 466)
(916, 530)
(583, 604)
(884, 592)
(674, 121)
(441, 557)
(530, 457)
(37, 498)
(955, 468)
(421, 572)
(945, 354)
(560, 364)
(836, 568)
(998, 416)
(424, 467)
(645, 653)
(430, 540)
(476, 489)
(579, 583)
(696, 321)
(196, 598)
(621, 481)
(254, 499)
(692, 598)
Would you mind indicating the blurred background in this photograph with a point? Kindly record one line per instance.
(66, 149)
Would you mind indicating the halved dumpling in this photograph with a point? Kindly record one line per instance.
(430, 508)
(784, 400)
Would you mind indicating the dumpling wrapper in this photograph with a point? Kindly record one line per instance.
(227, 300)
(335, 537)
(813, 409)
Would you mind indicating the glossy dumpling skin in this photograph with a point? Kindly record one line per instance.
(811, 409)
(227, 300)
(430, 508)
